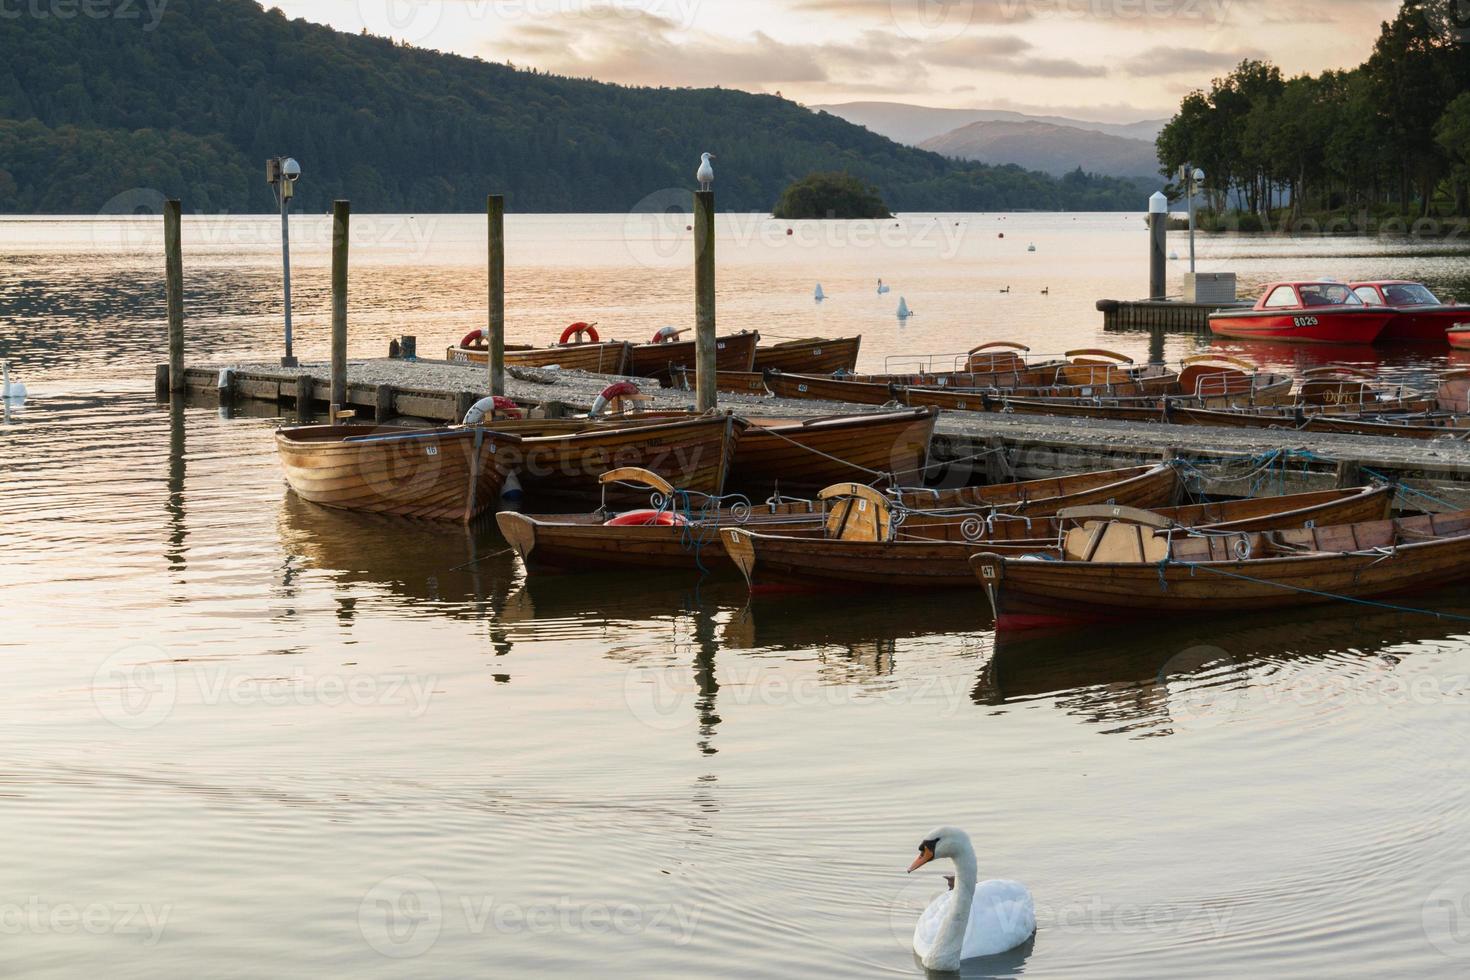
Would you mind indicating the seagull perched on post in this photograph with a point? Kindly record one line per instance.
(706, 174)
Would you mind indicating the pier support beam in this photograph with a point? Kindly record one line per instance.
(341, 218)
(705, 390)
(495, 210)
(1158, 228)
(173, 261)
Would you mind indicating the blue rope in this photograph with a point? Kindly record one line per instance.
(1194, 567)
(1409, 490)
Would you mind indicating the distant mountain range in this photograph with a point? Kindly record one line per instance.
(1052, 144)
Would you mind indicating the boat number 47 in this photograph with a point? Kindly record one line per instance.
(1305, 321)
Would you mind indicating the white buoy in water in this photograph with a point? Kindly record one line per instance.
(10, 391)
(1173, 256)
(511, 489)
(820, 295)
(903, 309)
(1031, 247)
(882, 289)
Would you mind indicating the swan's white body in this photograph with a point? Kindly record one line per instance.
(881, 288)
(974, 918)
(10, 391)
(706, 173)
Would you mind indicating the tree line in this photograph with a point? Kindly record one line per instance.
(1390, 136)
(92, 107)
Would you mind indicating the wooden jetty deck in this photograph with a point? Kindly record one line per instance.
(997, 446)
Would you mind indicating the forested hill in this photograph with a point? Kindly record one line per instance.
(94, 106)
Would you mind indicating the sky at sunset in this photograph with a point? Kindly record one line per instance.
(1108, 60)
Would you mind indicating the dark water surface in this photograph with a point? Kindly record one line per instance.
(248, 736)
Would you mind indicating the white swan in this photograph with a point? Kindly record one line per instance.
(882, 289)
(970, 919)
(10, 391)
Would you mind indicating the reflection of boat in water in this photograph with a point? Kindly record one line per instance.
(1149, 681)
(801, 622)
(454, 567)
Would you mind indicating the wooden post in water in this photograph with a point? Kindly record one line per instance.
(705, 390)
(173, 261)
(495, 210)
(1158, 226)
(341, 217)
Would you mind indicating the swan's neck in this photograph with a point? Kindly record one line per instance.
(949, 946)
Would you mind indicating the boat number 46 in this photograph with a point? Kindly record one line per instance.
(1305, 321)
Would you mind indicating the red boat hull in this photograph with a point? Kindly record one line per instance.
(1322, 326)
(1460, 339)
(1423, 324)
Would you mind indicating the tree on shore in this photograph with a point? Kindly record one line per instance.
(831, 195)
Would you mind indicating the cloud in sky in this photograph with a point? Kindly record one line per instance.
(1137, 57)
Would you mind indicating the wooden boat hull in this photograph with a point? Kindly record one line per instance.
(694, 454)
(440, 474)
(1328, 325)
(600, 358)
(801, 458)
(1036, 594)
(772, 560)
(1145, 487)
(733, 352)
(814, 356)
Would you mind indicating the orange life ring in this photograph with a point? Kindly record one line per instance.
(577, 330)
(474, 340)
(648, 518)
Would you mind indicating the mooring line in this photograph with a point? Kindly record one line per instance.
(1192, 566)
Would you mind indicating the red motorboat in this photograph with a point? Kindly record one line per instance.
(1421, 319)
(1460, 337)
(1306, 313)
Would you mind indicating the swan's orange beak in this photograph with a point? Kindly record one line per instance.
(925, 856)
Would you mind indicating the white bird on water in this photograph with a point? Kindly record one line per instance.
(10, 391)
(903, 309)
(973, 918)
(706, 173)
(881, 288)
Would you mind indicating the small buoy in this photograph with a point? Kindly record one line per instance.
(903, 309)
(688, 227)
(1001, 235)
(1031, 247)
(820, 295)
(789, 232)
(511, 489)
(1173, 256)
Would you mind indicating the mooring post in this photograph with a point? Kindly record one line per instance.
(305, 397)
(705, 390)
(173, 261)
(341, 219)
(495, 209)
(1158, 227)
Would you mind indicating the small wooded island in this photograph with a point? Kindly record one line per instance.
(831, 195)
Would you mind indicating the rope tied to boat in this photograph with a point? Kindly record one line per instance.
(1195, 567)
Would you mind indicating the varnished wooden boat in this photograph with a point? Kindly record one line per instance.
(813, 356)
(572, 541)
(925, 553)
(453, 473)
(733, 352)
(801, 456)
(1120, 569)
(693, 453)
(598, 358)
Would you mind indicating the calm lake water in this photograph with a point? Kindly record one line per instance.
(248, 736)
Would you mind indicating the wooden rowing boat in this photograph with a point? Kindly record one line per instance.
(597, 358)
(693, 453)
(801, 456)
(733, 352)
(813, 356)
(573, 541)
(927, 553)
(452, 473)
(1119, 569)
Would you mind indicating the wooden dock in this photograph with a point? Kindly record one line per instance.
(977, 447)
(1168, 316)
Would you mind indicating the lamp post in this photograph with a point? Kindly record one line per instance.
(282, 173)
(1191, 178)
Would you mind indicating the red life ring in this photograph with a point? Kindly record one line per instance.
(648, 518)
(577, 330)
(474, 340)
(665, 334)
(508, 406)
(623, 389)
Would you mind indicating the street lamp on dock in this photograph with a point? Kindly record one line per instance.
(282, 173)
(1192, 178)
